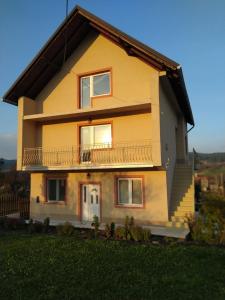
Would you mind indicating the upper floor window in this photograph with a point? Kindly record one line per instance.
(92, 138)
(96, 136)
(93, 86)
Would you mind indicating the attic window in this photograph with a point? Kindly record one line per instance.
(94, 86)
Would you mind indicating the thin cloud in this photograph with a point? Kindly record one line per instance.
(8, 146)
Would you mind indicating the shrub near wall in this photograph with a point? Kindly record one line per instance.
(210, 225)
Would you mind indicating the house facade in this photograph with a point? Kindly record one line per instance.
(102, 128)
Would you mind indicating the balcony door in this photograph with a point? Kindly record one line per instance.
(94, 137)
(90, 201)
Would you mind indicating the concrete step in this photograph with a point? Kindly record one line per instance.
(182, 213)
(186, 205)
(179, 219)
(188, 200)
(180, 208)
(180, 198)
(181, 191)
(177, 224)
(185, 209)
(183, 185)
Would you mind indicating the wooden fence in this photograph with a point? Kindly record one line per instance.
(11, 203)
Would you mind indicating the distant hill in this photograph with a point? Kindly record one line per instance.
(218, 157)
(6, 164)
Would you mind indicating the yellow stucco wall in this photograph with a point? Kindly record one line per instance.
(168, 125)
(124, 129)
(155, 210)
(26, 131)
(132, 79)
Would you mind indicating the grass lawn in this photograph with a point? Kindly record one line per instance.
(51, 267)
(212, 171)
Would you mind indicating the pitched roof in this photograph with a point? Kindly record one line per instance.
(77, 25)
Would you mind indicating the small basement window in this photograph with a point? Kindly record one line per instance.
(93, 86)
(56, 189)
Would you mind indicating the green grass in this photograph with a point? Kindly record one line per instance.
(212, 171)
(50, 267)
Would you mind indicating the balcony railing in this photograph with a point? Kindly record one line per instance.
(88, 156)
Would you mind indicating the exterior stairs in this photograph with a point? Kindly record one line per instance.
(182, 203)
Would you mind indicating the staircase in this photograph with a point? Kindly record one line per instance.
(182, 199)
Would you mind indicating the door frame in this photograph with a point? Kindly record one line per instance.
(80, 209)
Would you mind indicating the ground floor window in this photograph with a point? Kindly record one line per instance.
(130, 191)
(56, 189)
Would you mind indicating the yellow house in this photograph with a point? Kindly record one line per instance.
(102, 128)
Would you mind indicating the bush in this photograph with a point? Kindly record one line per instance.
(128, 225)
(96, 225)
(11, 223)
(136, 233)
(120, 233)
(2, 222)
(209, 227)
(30, 227)
(132, 232)
(146, 235)
(38, 227)
(107, 231)
(65, 229)
(46, 225)
(35, 227)
(110, 230)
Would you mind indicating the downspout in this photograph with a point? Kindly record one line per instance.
(192, 163)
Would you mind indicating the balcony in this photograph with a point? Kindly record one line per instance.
(98, 156)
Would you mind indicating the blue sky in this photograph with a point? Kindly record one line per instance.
(191, 32)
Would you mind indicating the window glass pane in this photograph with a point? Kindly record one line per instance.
(85, 92)
(52, 190)
(101, 84)
(62, 189)
(123, 192)
(86, 136)
(136, 192)
(102, 135)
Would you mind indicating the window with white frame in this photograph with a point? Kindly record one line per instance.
(130, 192)
(56, 189)
(96, 136)
(92, 86)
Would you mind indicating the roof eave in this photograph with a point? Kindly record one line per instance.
(139, 49)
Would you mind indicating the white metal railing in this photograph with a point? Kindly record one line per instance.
(134, 153)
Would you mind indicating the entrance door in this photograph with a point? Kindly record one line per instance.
(90, 197)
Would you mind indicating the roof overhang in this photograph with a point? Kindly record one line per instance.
(74, 29)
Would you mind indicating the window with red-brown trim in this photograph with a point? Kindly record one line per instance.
(55, 189)
(130, 191)
(94, 85)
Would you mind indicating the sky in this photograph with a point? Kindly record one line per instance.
(191, 32)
